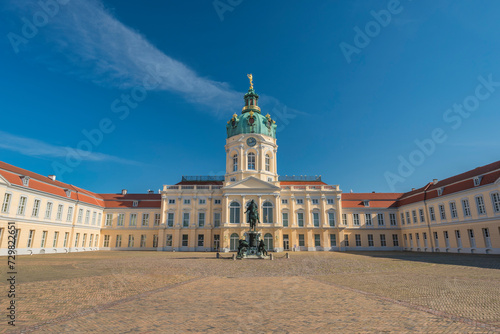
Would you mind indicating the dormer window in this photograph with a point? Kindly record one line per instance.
(233, 179)
(68, 192)
(477, 180)
(135, 203)
(440, 191)
(366, 203)
(26, 180)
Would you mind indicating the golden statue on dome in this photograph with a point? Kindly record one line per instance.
(251, 80)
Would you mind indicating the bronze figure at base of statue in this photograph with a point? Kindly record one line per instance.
(252, 247)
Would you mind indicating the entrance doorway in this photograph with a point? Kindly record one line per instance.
(216, 242)
(234, 242)
(286, 242)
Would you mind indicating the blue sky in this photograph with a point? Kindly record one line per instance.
(161, 78)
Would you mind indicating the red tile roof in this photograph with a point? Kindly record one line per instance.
(377, 200)
(303, 183)
(127, 200)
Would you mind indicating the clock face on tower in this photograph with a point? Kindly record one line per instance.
(251, 141)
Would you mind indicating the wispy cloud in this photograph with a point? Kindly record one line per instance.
(86, 40)
(37, 148)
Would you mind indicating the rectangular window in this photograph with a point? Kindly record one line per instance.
(459, 239)
(187, 201)
(76, 239)
(402, 218)
(466, 207)
(96, 240)
(169, 240)
(59, 212)
(118, 241)
(48, 210)
(355, 219)
(300, 219)
(300, 201)
(145, 219)
(121, 219)
(155, 240)
(94, 217)
(380, 219)
(446, 239)
(87, 217)
(436, 239)
(202, 201)
(331, 219)
(432, 214)
(486, 236)
(170, 219)
(442, 212)
(414, 214)
(106, 240)
(301, 240)
(90, 240)
(133, 219)
(22, 206)
(171, 201)
(424, 235)
(66, 236)
(357, 237)
(317, 240)
(472, 240)
(69, 215)
(344, 219)
(417, 236)
(130, 240)
(382, 240)
(185, 219)
(143, 240)
(36, 208)
(216, 219)
(99, 219)
(185, 240)
(330, 201)
(217, 201)
(408, 222)
(392, 218)
(30, 238)
(346, 240)
(481, 210)
(285, 219)
(421, 213)
(495, 200)
(44, 239)
(56, 236)
(333, 240)
(109, 219)
(315, 201)
(201, 219)
(80, 216)
(201, 240)
(284, 201)
(395, 241)
(368, 219)
(370, 240)
(157, 219)
(316, 219)
(453, 210)
(84, 238)
(6, 203)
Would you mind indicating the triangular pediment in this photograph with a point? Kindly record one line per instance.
(252, 183)
(4, 181)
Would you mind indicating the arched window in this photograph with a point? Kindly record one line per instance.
(267, 213)
(268, 163)
(251, 160)
(235, 162)
(234, 213)
(268, 241)
(234, 242)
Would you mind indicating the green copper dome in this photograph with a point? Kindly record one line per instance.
(251, 120)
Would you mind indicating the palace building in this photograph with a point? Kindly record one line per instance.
(460, 214)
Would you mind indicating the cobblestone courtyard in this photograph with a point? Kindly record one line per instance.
(147, 292)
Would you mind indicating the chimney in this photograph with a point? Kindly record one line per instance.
(151, 191)
(52, 177)
(412, 189)
(373, 192)
(124, 191)
(435, 181)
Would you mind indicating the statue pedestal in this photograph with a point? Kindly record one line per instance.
(252, 252)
